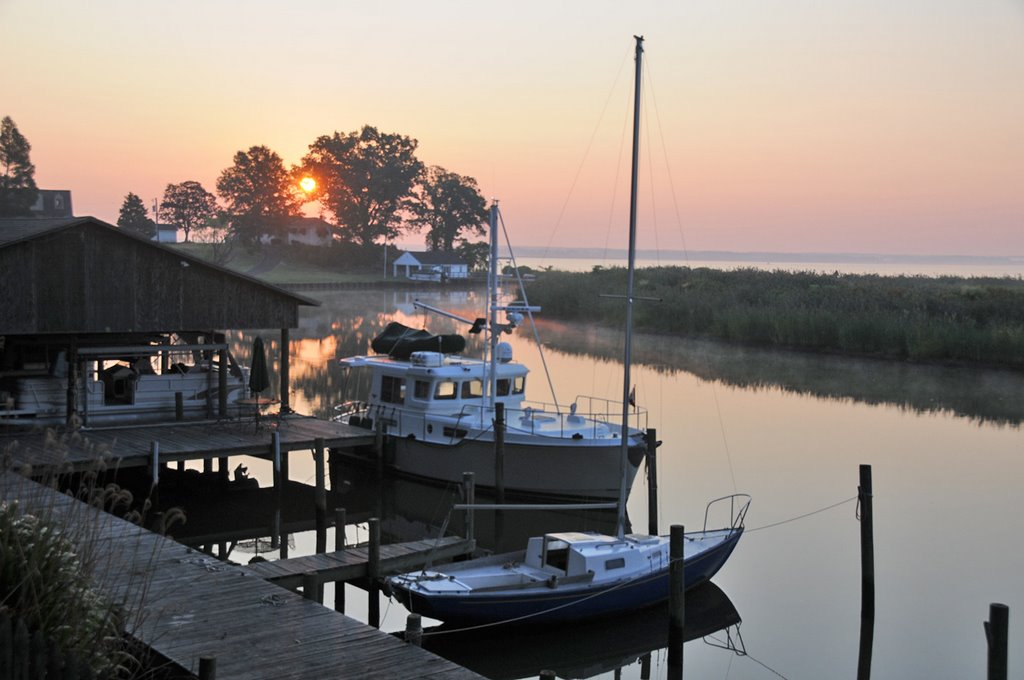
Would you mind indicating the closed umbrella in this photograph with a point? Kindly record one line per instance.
(259, 379)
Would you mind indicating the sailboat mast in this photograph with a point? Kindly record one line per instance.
(628, 354)
(492, 310)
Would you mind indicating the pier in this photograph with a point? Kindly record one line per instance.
(188, 606)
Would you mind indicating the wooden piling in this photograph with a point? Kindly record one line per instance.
(676, 602)
(373, 566)
(469, 491)
(222, 470)
(499, 452)
(283, 459)
(997, 635)
(320, 498)
(222, 383)
(179, 406)
(547, 675)
(311, 586)
(207, 668)
(340, 521)
(378, 445)
(651, 439)
(414, 629)
(867, 568)
(285, 385)
(154, 474)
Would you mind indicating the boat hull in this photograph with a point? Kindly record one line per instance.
(564, 470)
(565, 603)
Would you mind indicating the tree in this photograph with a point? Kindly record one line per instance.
(476, 254)
(448, 205)
(134, 218)
(18, 189)
(188, 205)
(258, 192)
(365, 180)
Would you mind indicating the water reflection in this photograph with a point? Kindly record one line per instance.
(589, 649)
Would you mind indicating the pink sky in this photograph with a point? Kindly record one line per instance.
(850, 125)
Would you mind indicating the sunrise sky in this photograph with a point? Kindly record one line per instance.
(779, 125)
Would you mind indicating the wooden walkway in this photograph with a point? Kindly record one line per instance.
(186, 605)
(353, 563)
(132, 446)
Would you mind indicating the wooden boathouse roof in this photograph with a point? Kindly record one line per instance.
(82, 275)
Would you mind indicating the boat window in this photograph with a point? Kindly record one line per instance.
(519, 386)
(472, 389)
(617, 563)
(503, 387)
(422, 389)
(558, 557)
(446, 389)
(392, 389)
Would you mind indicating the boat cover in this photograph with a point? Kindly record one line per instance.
(399, 341)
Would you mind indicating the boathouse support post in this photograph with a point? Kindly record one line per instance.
(469, 491)
(222, 380)
(207, 668)
(179, 406)
(285, 386)
(676, 601)
(154, 473)
(378, 445)
(499, 452)
(645, 666)
(340, 521)
(311, 586)
(320, 498)
(996, 633)
(284, 483)
(208, 357)
(651, 439)
(373, 566)
(71, 399)
(275, 456)
(867, 568)
(222, 470)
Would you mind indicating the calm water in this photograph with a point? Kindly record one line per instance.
(946, 448)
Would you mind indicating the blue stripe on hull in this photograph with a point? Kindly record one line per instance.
(551, 606)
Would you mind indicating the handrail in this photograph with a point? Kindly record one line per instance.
(736, 518)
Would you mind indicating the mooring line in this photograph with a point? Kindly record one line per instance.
(793, 519)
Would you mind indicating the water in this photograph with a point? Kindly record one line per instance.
(947, 452)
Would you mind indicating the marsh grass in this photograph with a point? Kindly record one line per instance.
(915, 318)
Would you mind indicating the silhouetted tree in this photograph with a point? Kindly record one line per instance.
(18, 189)
(134, 218)
(475, 254)
(258, 193)
(365, 180)
(188, 205)
(447, 205)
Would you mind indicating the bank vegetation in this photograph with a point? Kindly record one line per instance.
(914, 318)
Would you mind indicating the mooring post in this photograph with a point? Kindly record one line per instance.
(321, 496)
(340, 521)
(154, 474)
(222, 383)
(547, 675)
(676, 601)
(651, 439)
(311, 586)
(414, 629)
(179, 406)
(469, 491)
(867, 569)
(207, 668)
(645, 666)
(285, 372)
(996, 633)
(373, 566)
(499, 452)
(275, 456)
(378, 445)
(284, 483)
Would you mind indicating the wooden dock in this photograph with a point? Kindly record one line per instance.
(186, 605)
(353, 563)
(133, 446)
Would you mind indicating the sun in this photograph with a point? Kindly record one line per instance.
(307, 184)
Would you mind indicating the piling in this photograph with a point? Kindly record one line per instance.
(285, 371)
(676, 601)
(222, 383)
(207, 668)
(222, 470)
(645, 666)
(321, 497)
(311, 586)
(996, 633)
(867, 568)
(414, 629)
(373, 566)
(469, 491)
(547, 675)
(499, 452)
(154, 474)
(378, 445)
(179, 406)
(651, 439)
(339, 544)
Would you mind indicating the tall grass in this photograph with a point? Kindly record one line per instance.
(917, 318)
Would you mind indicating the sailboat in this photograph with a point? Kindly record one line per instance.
(570, 576)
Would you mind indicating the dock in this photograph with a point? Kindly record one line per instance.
(132, 446)
(186, 606)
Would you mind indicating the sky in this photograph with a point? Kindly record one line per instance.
(864, 126)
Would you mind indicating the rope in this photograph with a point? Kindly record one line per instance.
(808, 514)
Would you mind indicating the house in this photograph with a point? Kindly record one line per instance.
(310, 231)
(431, 265)
(166, 233)
(52, 203)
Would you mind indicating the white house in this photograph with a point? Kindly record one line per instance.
(431, 265)
(310, 231)
(166, 233)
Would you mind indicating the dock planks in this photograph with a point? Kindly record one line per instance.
(187, 605)
(132, 446)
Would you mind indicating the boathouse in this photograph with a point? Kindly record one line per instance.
(430, 265)
(82, 297)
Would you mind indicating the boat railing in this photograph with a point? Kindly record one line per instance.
(739, 503)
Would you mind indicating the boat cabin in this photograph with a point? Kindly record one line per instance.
(586, 555)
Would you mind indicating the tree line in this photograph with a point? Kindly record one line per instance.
(370, 185)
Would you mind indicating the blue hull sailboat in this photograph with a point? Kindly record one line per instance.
(571, 576)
